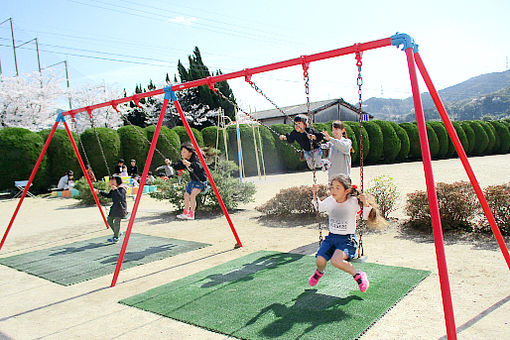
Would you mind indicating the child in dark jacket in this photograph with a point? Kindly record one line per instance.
(119, 208)
(309, 139)
(198, 181)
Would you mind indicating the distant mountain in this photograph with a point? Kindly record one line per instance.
(479, 88)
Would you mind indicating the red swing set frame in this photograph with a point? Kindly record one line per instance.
(413, 60)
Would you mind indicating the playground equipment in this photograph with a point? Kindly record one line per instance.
(413, 60)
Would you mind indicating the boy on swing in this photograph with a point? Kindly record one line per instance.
(309, 139)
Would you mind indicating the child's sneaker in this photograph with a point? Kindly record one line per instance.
(190, 215)
(183, 216)
(315, 278)
(362, 280)
(113, 240)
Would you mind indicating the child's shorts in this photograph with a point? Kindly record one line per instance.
(312, 157)
(195, 185)
(346, 243)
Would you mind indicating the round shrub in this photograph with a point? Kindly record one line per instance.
(414, 140)
(352, 136)
(375, 136)
(19, 150)
(462, 137)
(249, 151)
(404, 141)
(183, 135)
(391, 142)
(470, 135)
(170, 146)
(322, 127)
(287, 155)
(356, 141)
(442, 137)
(492, 138)
(496, 135)
(433, 142)
(481, 141)
(210, 134)
(110, 142)
(503, 134)
(60, 157)
(134, 145)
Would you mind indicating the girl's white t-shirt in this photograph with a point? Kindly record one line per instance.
(342, 216)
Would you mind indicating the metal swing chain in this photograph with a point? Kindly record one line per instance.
(259, 90)
(100, 147)
(80, 141)
(253, 118)
(360, 119)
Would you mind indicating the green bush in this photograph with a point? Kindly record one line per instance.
(462, 137)
(504, 136)
(286, 155)
(110, 142)
(433, 142)
(498, 198)
(457, 205)
(19, 150)
(85, 195)
(481, 141)
(183, 135)
(414, 140)
(248, 149)
(470, 135)
(490, 134)
(404, 142)
(391, 141)
(134, 145)
(375, 136)
(60, 157)
(442, 136)
(292, 201)
(356, 141)
(168, 144)
(322, 127)
(385, 193)
(231, 190)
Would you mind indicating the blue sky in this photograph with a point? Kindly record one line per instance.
(458, 40)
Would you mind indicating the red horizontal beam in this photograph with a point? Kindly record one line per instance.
(305, 59)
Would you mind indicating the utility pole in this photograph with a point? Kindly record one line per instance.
(13, 45)
(67, 80)
(37, 50)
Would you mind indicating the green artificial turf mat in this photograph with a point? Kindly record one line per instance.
(86, 260)
(266, 295)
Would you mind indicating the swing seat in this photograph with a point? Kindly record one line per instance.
(361, 259)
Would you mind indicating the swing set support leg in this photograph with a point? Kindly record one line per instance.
(433, 203)
(462, 155)
(82, 166)
(30, 180)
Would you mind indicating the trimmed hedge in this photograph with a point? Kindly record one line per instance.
(462, 137)
(470, 135)
(404, 141)
(504, 136)
(19, 150)
(209, 136)
(375, 135)
(414, 140)
(60, 157)
(391, 142)
(183, 135)
(442, 137)
(498, 140)
(492, 138)
(134, 145)
(110, 142)
(481, 140)
(248, 149)
(433, 142)
(356, 141)
(288, 157)
(170, 146)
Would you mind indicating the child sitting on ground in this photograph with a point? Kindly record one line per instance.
(309, 139)
(340, 245)
(198, 181)
(118, 209)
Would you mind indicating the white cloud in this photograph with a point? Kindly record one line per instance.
(183, 20)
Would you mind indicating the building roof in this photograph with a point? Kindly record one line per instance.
(301, 108)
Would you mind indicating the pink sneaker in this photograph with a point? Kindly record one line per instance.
(315, 278)
(362, 280)
(190, 215)
(183, 216)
